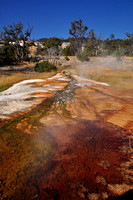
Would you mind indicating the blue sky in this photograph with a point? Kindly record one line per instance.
(53, 17)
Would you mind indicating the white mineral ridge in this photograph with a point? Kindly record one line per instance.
(17, 97)
(88, 81)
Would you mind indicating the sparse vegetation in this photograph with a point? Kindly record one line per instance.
(78, 31)
(34, 59)
(8, 80)
(67, 51)
(67, 59)
(117, 78)
(15, 43)
(83, 56)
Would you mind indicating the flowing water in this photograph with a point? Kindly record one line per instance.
(72, 143)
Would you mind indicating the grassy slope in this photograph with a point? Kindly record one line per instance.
(8, 80)
(119, 76)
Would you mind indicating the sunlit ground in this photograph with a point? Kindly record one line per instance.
(116, 72)
(75, 144)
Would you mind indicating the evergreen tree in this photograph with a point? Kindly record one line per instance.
(14, 35)
(78, 31)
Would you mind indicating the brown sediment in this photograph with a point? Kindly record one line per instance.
(50, 82)
(129, 126)
(76, 163)
(46, 94)
(73, 145)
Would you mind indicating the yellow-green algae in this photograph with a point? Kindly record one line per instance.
(22, 154)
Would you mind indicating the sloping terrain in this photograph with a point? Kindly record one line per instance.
(65, 137)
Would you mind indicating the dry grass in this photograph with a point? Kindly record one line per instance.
(118, 78)
(119, 75)
(10, 79)
(115, 77)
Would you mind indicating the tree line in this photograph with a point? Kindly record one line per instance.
(15, 43)
(83, 43)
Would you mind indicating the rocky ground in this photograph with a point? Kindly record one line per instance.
(71, 140)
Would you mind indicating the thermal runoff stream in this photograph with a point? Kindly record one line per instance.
(65, 137)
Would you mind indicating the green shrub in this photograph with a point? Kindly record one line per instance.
(67, 51)
(130, 54)
(44, 66)
(7, 55)
(67, 59)
(34, 59)
(26, 58)
(83, 56)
